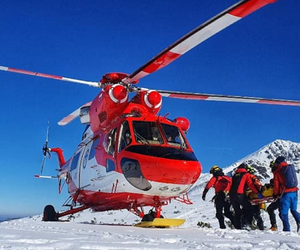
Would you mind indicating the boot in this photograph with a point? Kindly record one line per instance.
(273, 228)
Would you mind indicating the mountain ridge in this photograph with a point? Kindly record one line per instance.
(260, 161)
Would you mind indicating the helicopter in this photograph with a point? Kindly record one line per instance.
(130, 157)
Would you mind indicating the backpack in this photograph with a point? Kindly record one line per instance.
(236, 179)
(290, 176)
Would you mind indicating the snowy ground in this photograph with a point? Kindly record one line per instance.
(29, 234)
(100, 231)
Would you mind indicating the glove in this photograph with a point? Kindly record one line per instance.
(227, 198)
(260, 196)
(203, 197)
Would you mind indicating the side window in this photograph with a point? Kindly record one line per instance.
(75, 161)
(94, 148)
(111, 142)
(110, 165)
(125, 136)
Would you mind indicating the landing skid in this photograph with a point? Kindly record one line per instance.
(161, 223)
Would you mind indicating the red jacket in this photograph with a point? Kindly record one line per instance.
(220, 183)
(257, 183)
(279, 182)
(245, 182)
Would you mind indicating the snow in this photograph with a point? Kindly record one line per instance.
(90, 230)
(115, 229)
(34, 234)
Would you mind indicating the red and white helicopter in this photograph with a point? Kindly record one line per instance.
(130, 157)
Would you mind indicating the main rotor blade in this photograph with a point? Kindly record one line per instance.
(227, 98)
(26, 72)
(197, 36)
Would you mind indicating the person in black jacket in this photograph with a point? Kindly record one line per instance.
(241, 180)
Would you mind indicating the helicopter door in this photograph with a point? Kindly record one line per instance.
(75, 172)
(89, 171)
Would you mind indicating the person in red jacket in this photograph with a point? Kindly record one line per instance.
(222, 185)
(288, 196)
(241, 181)
(256, 208)
(275, 204)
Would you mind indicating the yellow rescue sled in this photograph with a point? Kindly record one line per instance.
(161, 223)
(267, 192)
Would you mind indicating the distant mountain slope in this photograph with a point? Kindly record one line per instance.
(260, 160)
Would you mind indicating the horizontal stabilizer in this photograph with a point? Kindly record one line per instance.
(66, 120)
(45, 176)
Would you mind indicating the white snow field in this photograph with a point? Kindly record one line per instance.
(101, 231)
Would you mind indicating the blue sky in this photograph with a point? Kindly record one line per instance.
(257, 56)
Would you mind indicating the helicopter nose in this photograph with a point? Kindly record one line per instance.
(175, 172)
(143, 173)
(167, 165)
(133, 174)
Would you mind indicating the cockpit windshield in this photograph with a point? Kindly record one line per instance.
(147, 132)
(173, 136)
(150, 133)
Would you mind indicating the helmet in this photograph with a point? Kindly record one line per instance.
(279, 160)
(243, 165)
(272, 166)
(214, 169)
(272, 163)
(250, 169)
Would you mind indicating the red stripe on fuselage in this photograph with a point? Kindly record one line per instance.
(100, 201)
(249, 7)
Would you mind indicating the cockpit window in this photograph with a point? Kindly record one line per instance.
(146, 133)
(110, 141)
(125, 136)
(173, 136)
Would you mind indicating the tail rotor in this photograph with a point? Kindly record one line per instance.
(46, 149)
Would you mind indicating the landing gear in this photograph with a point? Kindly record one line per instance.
(50, 214)
(151, 216)
(155, 219)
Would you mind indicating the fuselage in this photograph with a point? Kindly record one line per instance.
(129, 156)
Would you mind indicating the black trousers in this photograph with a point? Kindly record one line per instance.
(223, 206)
(242, 207)
(257, 216)
(271, 208)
